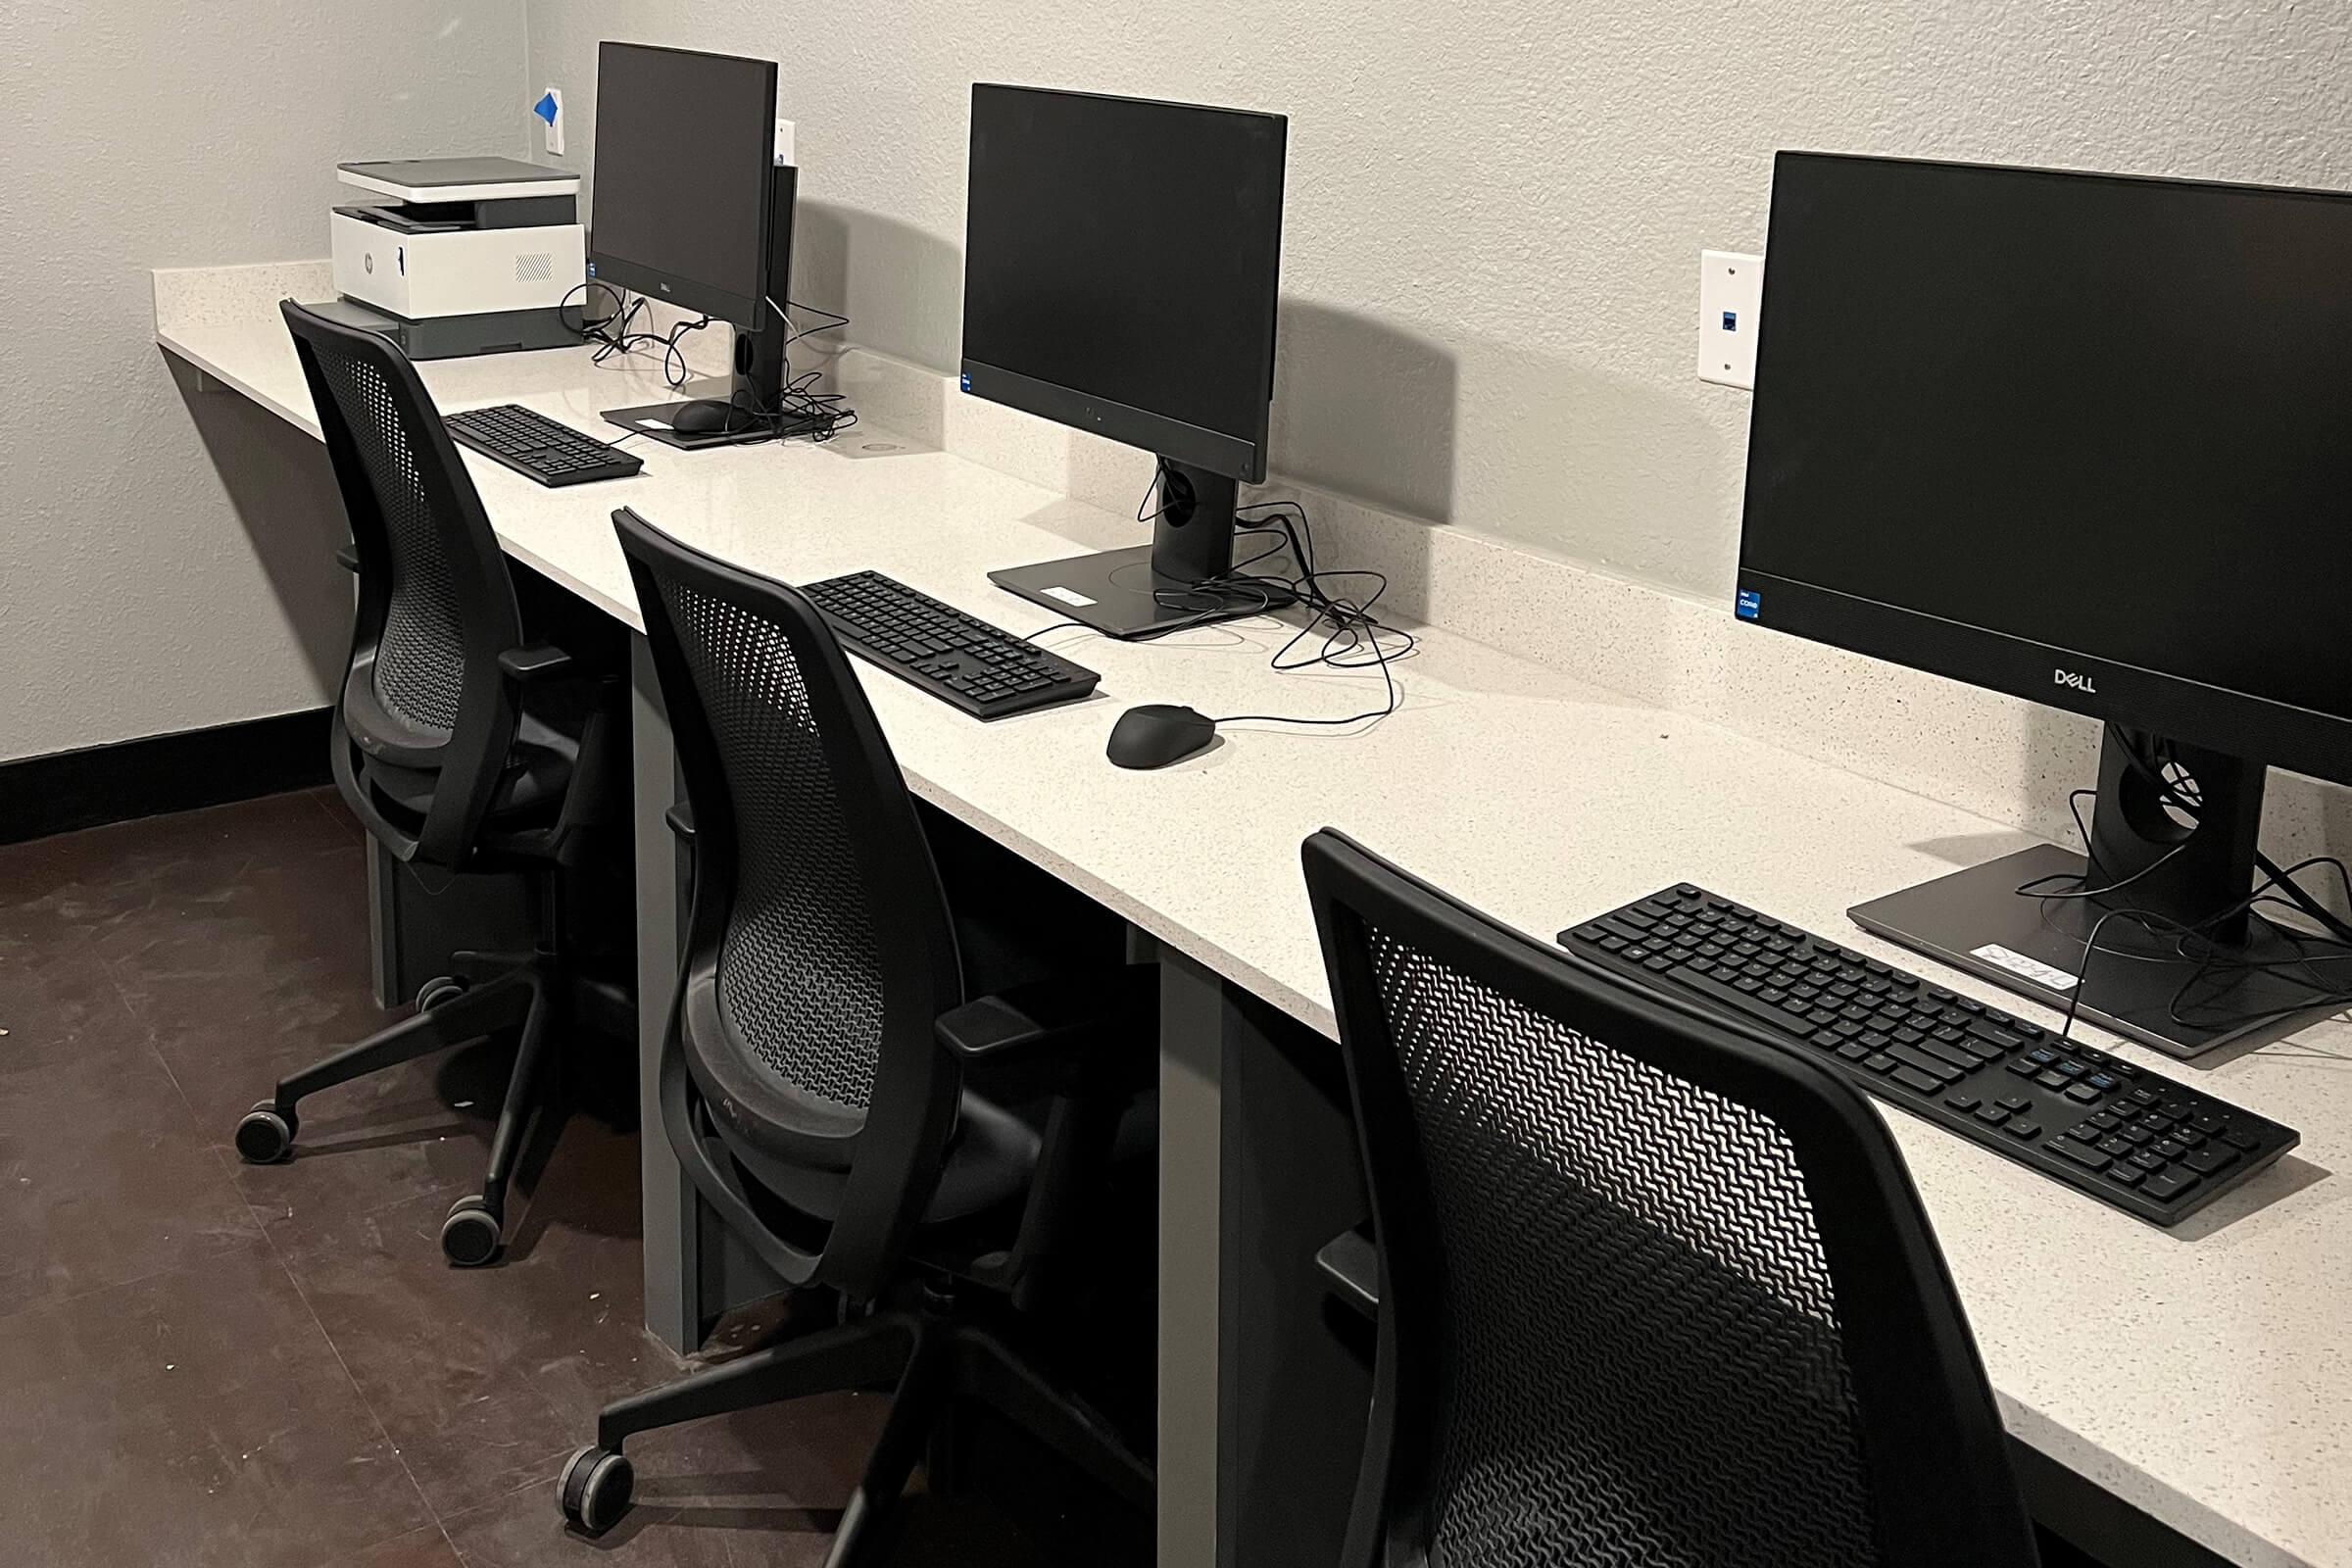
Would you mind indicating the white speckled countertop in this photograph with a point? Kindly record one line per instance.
(2203, 1374)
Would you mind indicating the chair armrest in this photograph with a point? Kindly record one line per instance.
(680, 819)
(1350, 1266)
(348, 558)
(1034, 1024)
(528, 665)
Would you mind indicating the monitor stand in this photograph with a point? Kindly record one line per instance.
(1151, 589)
(757, 381)
(658, 421)
(2137, 984)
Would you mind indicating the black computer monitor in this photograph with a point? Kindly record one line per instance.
(1122, 260)
(691, 208)
(2085, 439)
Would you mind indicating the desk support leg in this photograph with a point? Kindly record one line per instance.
(383, 926)
(673, 1305)
(1192, 1021)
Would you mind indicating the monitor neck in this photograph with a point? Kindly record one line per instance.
(1192, 538)
(759, 351)
(2183, 872)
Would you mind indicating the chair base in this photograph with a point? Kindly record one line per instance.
(932, 1357)
(533, 993)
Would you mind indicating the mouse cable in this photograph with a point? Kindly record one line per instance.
(1353, 637)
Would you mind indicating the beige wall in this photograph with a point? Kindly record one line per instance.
(163, 559)
(1495, 206)
(1493, 217)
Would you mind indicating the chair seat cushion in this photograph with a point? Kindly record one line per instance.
(538, 768)
(990, 1161)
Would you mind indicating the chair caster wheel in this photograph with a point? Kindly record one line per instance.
(594, 1490)
(439, 989)
(267, 1135)
(470, 1236)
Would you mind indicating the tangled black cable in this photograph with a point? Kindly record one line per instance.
(798, 408)
(612, 334)
(1346, 622)
(828, 413)
(2193, 940)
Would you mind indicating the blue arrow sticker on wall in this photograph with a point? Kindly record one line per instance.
(545, 108)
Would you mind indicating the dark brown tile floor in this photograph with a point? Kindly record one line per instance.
(204, 1363)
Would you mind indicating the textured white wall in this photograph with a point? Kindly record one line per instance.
(1495, 206)
(148, 584)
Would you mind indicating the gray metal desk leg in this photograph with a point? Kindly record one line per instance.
(1191, 1022)
(674, 1311)
(412, 930)
(383, 928)
(1263, 1404)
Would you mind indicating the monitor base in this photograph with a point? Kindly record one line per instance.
(1117, 593)
(1974, 920)
(652, 421)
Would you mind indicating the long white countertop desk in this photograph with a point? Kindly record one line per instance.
(2203, 1375)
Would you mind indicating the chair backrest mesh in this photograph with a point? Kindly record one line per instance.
(1641, 1366)
(799, 979)
(420, 660)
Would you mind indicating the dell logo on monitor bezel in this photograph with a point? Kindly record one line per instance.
(2080, 683)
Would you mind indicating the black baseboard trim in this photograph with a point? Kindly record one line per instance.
(101, 784)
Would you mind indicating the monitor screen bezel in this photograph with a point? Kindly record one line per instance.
(698, 295)
(2222, 718)
(1237, 455)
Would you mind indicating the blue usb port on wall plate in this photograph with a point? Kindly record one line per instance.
(1751, 605)
(1731, 321)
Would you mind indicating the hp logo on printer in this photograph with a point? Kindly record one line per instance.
(2080, 683)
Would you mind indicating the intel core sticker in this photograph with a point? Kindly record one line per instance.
(1751, 604)
(967, 381)
(2017, 963)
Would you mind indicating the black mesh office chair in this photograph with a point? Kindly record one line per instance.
(830, 1087)
(1653, 1293)
(459, 743)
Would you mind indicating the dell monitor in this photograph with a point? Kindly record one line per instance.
(2086, 440)
(1122, 260)
(692, 209)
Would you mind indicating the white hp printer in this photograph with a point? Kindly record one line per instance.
(460, 255)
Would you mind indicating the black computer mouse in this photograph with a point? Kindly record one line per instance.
(711, 417)
(1157, 734)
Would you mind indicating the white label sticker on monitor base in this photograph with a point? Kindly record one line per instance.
(1069, 596)
(2017, 963)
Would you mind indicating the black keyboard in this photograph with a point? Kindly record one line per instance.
(960, 659)
(550, 452)
(2145, 1142)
